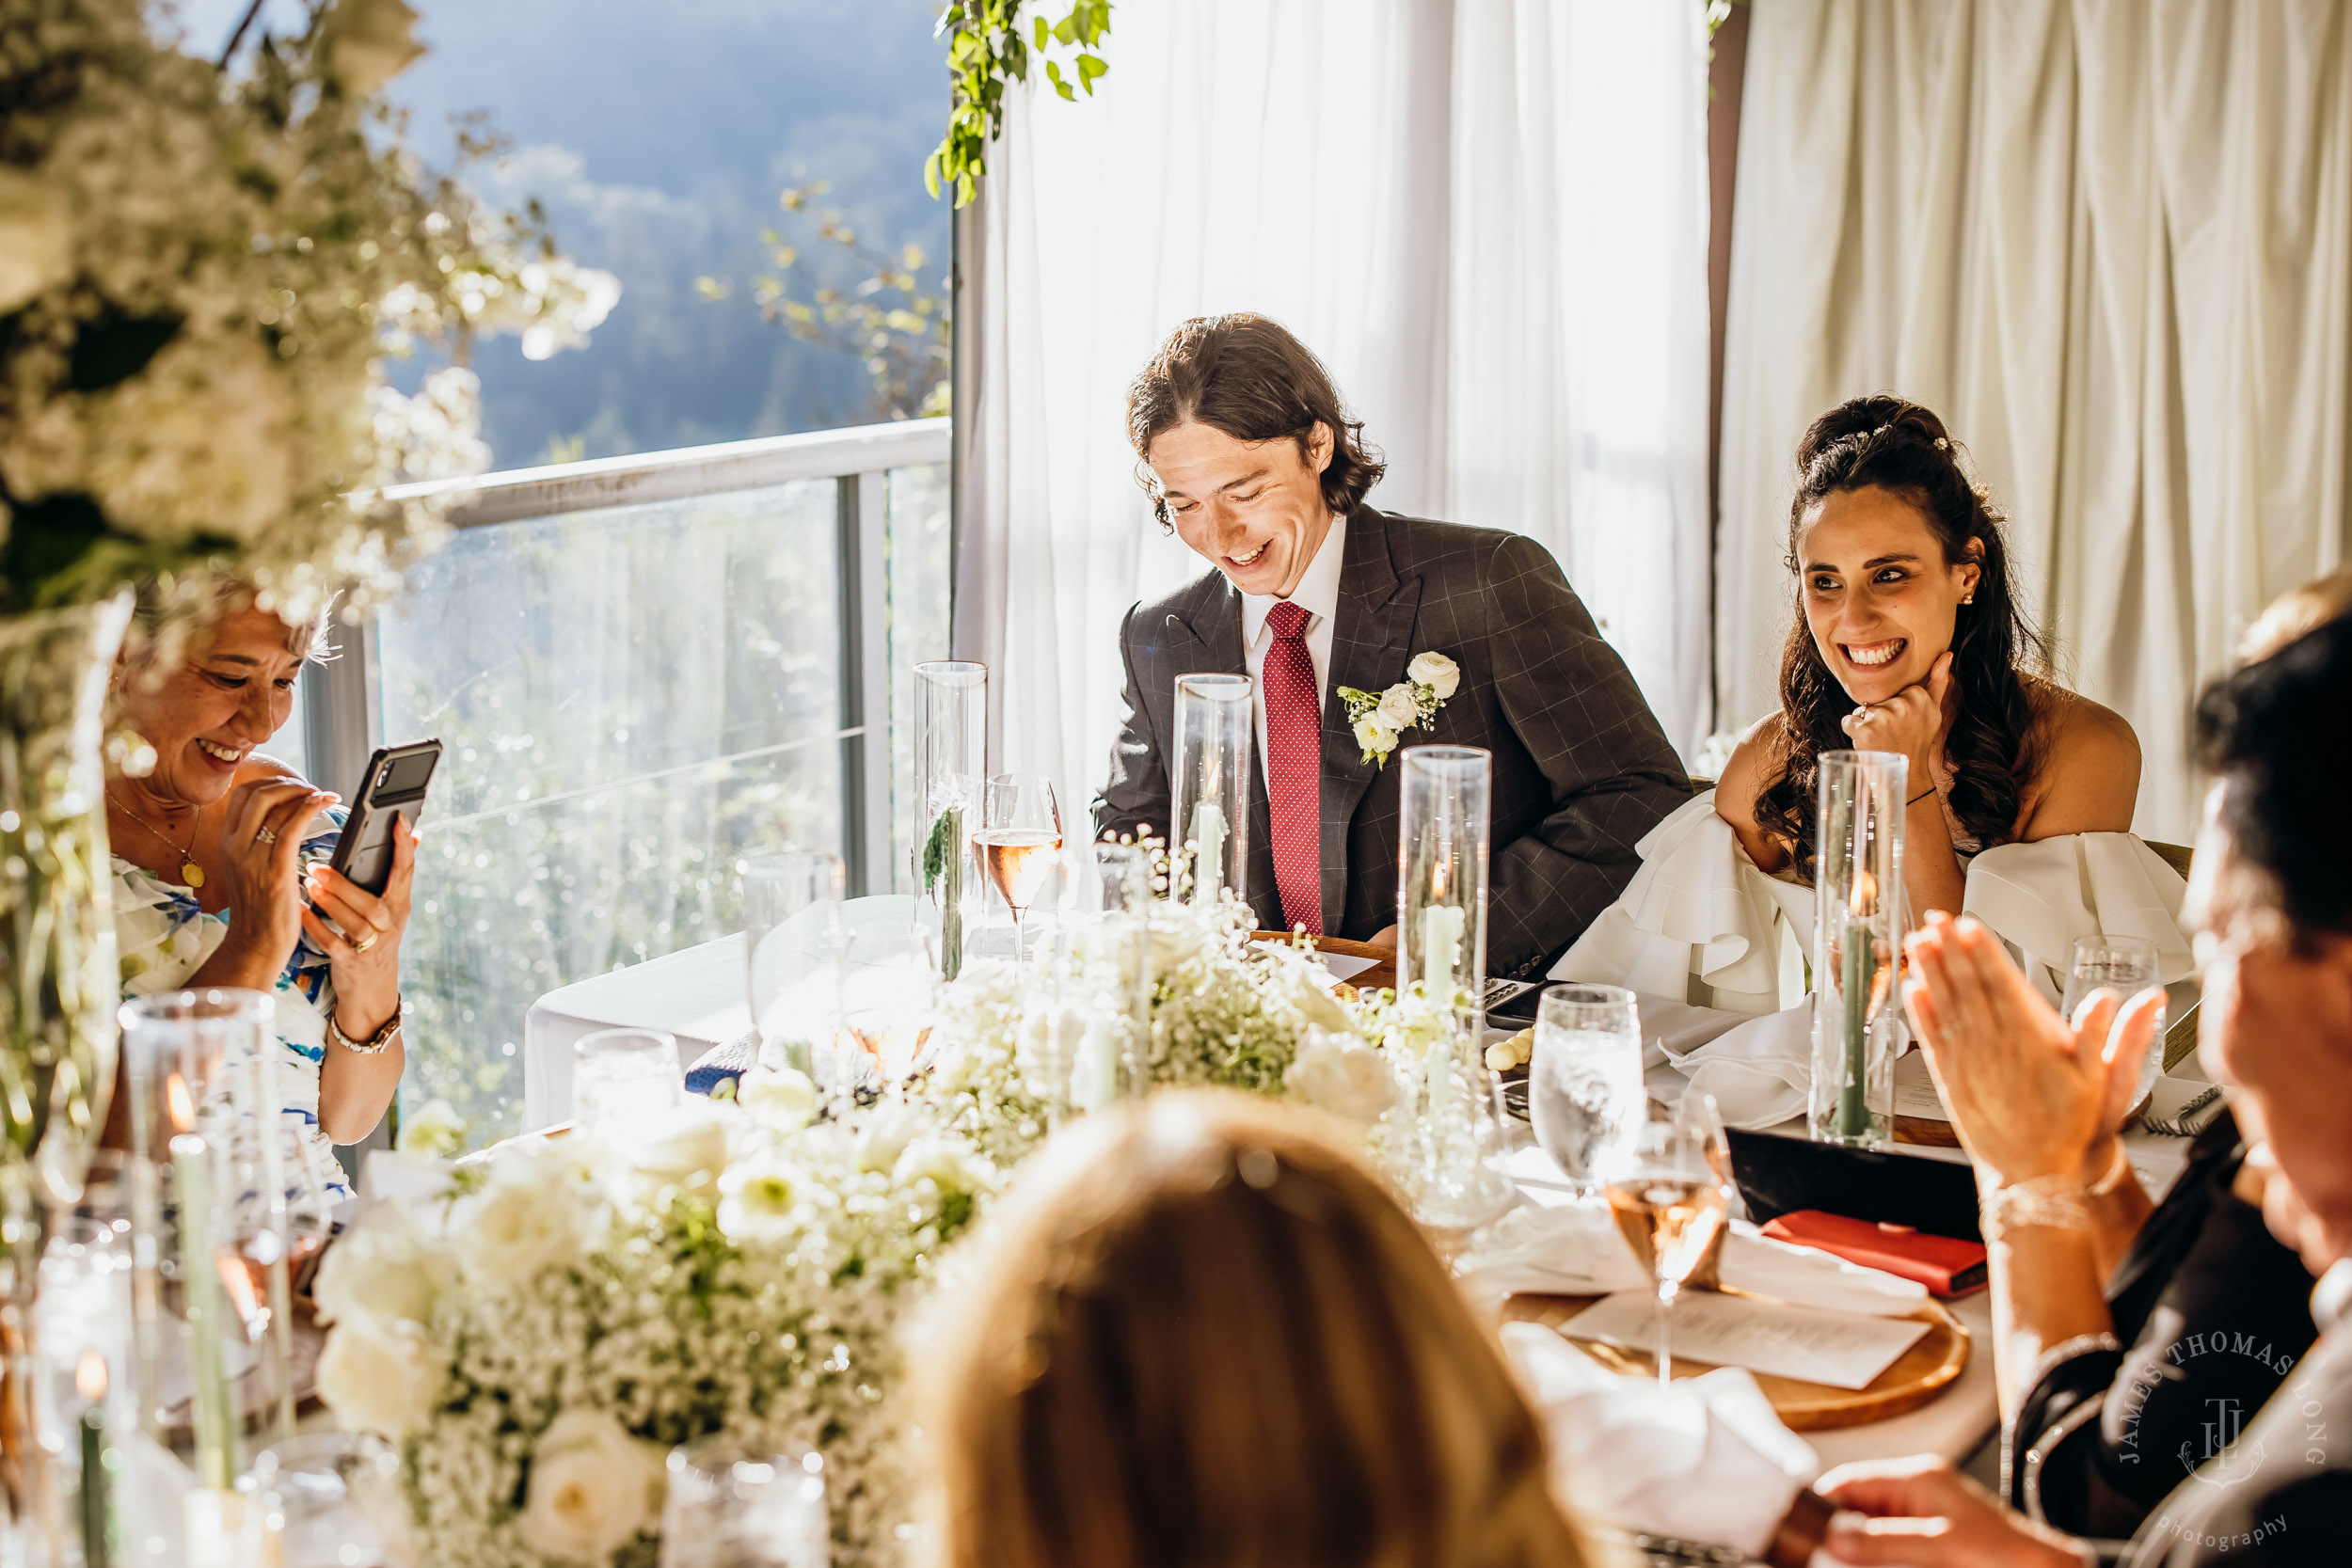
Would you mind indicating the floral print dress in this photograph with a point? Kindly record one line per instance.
(163, 937)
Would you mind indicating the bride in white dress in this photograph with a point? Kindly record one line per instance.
(1906, 636)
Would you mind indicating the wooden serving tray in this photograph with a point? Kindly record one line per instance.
(1934, 1363)
(1381, 977)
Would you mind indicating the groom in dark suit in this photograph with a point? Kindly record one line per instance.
(1242, 442)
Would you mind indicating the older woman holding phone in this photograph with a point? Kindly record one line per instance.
(221, 876)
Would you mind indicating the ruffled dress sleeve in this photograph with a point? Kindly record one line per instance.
(161, 936)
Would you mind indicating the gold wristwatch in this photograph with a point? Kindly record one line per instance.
(376, 1044)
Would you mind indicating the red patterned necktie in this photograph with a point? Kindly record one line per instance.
(1293, 766)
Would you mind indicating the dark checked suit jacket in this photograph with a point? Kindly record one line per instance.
(1582, 769)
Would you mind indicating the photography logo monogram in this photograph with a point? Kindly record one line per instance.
(2224, 1456)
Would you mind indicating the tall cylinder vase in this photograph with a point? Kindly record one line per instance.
(950, 766)
(1449, 1161)
(1208, 837)
(56, 1003)
(1858, 898)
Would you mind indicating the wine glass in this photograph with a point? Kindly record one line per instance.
(889, 996)
(792, 951)
(2125, 964)
(729, 1507)
(1020, 835)
(1585, 1083)
(321, 1495)
(1671, 1200)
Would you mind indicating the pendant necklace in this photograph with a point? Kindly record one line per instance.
(190, 873)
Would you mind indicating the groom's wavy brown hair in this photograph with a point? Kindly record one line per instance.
(1889, 443)
(1247, 376)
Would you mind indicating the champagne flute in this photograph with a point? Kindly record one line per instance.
(2125, 964)
(792, 943)
(1671, 1201)
(1020, 835)
(1584, 1081)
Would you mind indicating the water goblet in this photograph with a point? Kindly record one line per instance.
(1020, 835)
(321, 1498)
(728, 1507)
(624, 1082)
(2124, 964)
(1672, 1199)
(1584, 1081)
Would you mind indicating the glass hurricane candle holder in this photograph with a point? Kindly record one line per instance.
(1209, 833)
(792, 952)
(1441, 881)
(950, 765)
(1858, 897)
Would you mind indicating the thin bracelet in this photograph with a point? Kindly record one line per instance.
(2057, 1202)
(1921, 796)
(2117, 1173)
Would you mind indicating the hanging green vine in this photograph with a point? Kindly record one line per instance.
(985, 49)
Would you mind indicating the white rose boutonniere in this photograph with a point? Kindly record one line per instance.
(1380, 720)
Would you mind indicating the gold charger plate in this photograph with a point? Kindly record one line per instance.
(1932, 1364)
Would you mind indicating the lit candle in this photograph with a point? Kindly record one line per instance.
(1860, 954)
(215, 1443)
(89, 1381)
(1441, 928)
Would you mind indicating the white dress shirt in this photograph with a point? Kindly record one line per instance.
(1318, 594)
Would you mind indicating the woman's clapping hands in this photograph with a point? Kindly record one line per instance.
(2029, 1094)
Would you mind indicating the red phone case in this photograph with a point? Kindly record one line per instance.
(1945, 1266)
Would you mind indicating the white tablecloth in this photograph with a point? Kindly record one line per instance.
(700, 994)
(697, 994)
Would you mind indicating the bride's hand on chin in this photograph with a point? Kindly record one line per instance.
(1910, 724)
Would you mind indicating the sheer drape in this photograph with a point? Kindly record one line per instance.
(1489, 218)
(2110, 240)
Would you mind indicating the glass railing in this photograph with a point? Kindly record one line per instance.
(640, 670)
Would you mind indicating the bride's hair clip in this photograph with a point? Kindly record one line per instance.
(1942, 445)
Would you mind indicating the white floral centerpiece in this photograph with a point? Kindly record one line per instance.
(539, 1336)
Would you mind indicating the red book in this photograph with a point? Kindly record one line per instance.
(1948, 1267)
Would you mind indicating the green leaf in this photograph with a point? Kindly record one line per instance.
(1091, 67)
(930, 175)
(1042, 33)
(935, 851)
(1065, 31)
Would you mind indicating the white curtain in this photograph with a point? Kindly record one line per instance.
(1487, 218)
(2110, 241)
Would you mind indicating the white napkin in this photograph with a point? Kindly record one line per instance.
(1706, 1460)
(1576, 1249)
(1760, 1072)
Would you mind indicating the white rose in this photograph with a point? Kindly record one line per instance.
(594, 1489)
(1373, 732)
(381, 1268)
(1176, 940)
(759, 1201)
(368, 44)
(35, 237)
(381, 1377)
(879, 1146)
(1398, 708)
(436, 1131)
(537, 1213)
(954, 1166)
(1435, 671)
(685, 1149)
(1337, 1075)
(785, 1096)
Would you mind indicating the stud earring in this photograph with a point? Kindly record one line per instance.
(1969, 598)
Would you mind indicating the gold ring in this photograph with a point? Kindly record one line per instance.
(363, 944)
(266, 837)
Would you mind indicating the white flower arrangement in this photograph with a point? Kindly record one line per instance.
(202, 275)
(1380, 721)
(536, 1336)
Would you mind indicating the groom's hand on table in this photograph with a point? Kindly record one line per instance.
(1384, 936)
(1920, 1512)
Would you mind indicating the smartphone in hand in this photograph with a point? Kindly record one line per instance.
(393, 788)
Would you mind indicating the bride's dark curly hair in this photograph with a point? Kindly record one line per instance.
(1894, 445)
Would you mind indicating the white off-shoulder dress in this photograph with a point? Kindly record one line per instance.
(163, 937)
(1718, 951)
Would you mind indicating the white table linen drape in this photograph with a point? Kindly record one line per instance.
(1489, 219)
(2110, 241)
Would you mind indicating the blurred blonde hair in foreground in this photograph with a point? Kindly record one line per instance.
(1203, 1335)
(2294, 612)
